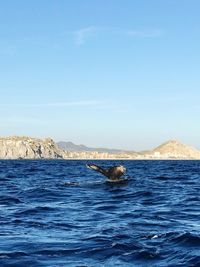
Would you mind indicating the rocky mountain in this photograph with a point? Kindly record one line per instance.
(32, 148)
(69, 146)
(173, 149)
(29, 148)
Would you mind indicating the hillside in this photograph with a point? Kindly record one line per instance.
(173, 149)
(16, 147)
(69, 146)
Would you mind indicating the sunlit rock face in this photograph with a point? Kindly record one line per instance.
(16, 147)
(175, 150)
(29, 148)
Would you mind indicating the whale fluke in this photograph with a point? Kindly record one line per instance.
(113, 173)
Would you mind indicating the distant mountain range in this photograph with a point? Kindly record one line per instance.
(23, 147)
(171, 149)
(69, 146)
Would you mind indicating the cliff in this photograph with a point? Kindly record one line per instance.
(29, 148)
(173, 150)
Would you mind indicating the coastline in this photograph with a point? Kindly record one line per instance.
(28, 148)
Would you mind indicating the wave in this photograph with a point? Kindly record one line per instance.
(8, 200)
(151, 221)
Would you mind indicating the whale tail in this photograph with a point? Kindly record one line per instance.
(113, 173)
(97, 168)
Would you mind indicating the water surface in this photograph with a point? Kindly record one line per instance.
(59, 213)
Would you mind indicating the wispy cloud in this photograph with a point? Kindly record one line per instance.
(85, 103)
(82, 35)
(69, 104)
(7, 120)
(143, 33)
(8, 50)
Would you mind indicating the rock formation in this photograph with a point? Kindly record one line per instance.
(29, 148)
(173, 150)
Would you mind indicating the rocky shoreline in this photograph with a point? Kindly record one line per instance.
(22, 147)
(29, 148)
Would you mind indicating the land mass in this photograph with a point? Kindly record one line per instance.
(17, 147)
(22, 147)
(69, 146)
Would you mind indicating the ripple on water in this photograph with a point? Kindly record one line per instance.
(8, 200)
(59, 213)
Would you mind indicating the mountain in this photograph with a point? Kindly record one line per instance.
(69, 146)
(173, 149)
(16, 147)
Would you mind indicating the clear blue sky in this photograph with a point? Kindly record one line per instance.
(117, 73)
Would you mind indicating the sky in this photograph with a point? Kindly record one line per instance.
(117, 74)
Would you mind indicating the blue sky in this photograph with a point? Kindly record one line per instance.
(117, 73)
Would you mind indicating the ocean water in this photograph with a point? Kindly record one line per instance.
(59, 213)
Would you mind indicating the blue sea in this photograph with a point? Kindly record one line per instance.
(60, 213)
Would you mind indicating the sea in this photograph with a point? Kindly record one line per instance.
(60, 213)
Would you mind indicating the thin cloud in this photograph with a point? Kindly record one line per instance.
(88, 103)
(8, 50)
(29, 120)
(81, 36)
(72, 104)
(143, 33)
